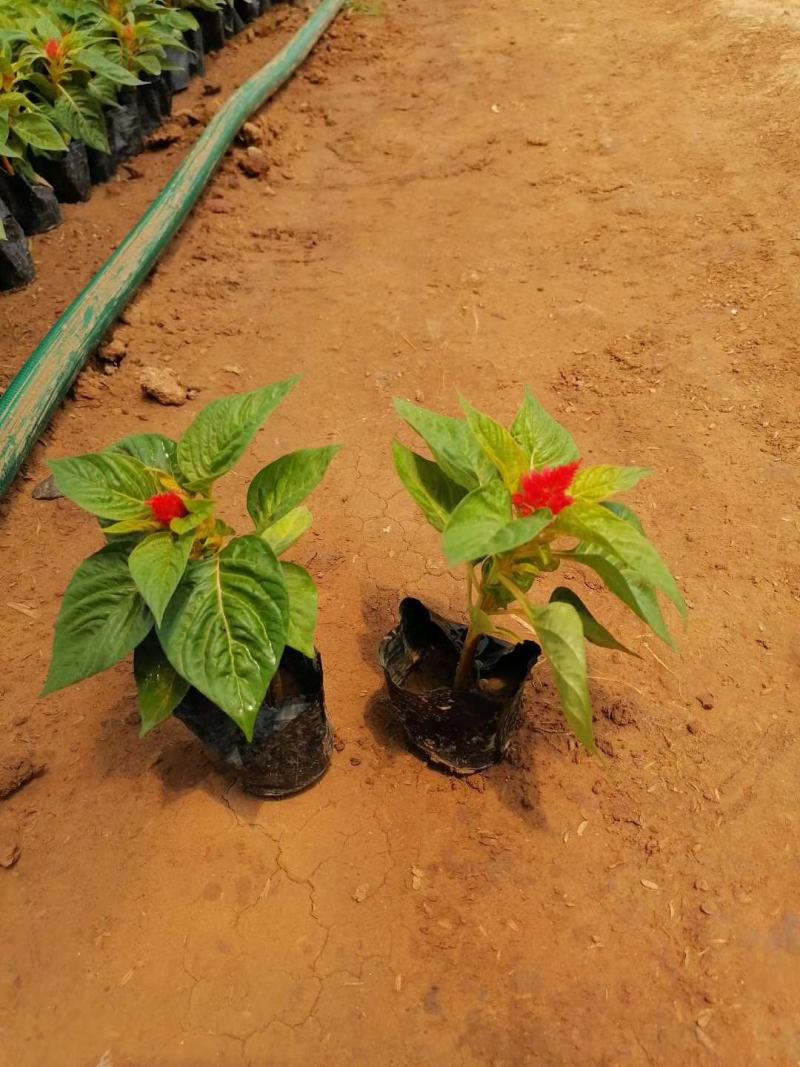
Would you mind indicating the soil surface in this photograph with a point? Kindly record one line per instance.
(600, 200)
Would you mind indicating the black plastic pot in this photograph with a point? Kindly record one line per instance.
(102, 165)
(124, 130)
(247, 10)
(467, 730)
(68, 173)
(212, 29)
(33, 204)
(292, 739)
(16, 265)
(155, 102)
(232, 21)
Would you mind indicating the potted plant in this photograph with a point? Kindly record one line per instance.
(512, 505)
(221, 630)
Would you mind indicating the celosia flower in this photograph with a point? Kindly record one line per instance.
(545, 489)
(166, 507)
(53, 48)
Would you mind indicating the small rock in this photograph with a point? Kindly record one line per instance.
(112, 352)
(361, 892)
(14, 773)
(47, 490)
(701, 884)
(161, 384)
(707, 909)
(693, 726)
(253, 163)
(211, 88)
(339, 744)
(9, 854)
(251, 134)
(355, 761)
(706, 700)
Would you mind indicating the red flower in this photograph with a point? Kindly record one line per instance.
(53, 48)
(166, 507)
(545, 489)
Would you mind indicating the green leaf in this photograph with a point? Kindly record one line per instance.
(80, 115)
(599, 526)
(435, 493)
(454, 448)
(222, 431)
(596, 483)
(476, 521)
(160, 686)
(630, 587)
(592, 630)
(622, 511)
(199, 510)
(152, 449)
(519, 532)
(302, 608)
(498, 446)
(560, 632)
(225, 628)
(286, 482)
(114, 486)
(157, 565)
(93, 59)
(36, 131)
(102, 618)
(544, 441)
(283, 533)
(481, 622)
(131, 526)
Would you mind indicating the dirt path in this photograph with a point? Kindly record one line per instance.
(599, 200)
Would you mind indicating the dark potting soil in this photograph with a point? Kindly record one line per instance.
(463, 730)
(292, 739)
(16, 265)
(33, 204)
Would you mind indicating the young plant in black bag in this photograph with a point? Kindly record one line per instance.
(221, 630)
(512, 505)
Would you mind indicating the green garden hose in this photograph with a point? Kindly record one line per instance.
(29, 401)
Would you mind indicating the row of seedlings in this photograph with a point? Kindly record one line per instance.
(82, 83)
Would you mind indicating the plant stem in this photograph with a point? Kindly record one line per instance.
(463, 677)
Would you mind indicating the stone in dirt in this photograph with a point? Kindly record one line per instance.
(47, 490)
(161, 384)
(251, 134)
(112, 352)
(9, 854)
(16, 772)
(254, 163)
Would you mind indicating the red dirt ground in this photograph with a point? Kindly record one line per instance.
(600, 200)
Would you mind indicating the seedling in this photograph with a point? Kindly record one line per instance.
(514, 505)
(197, 604)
